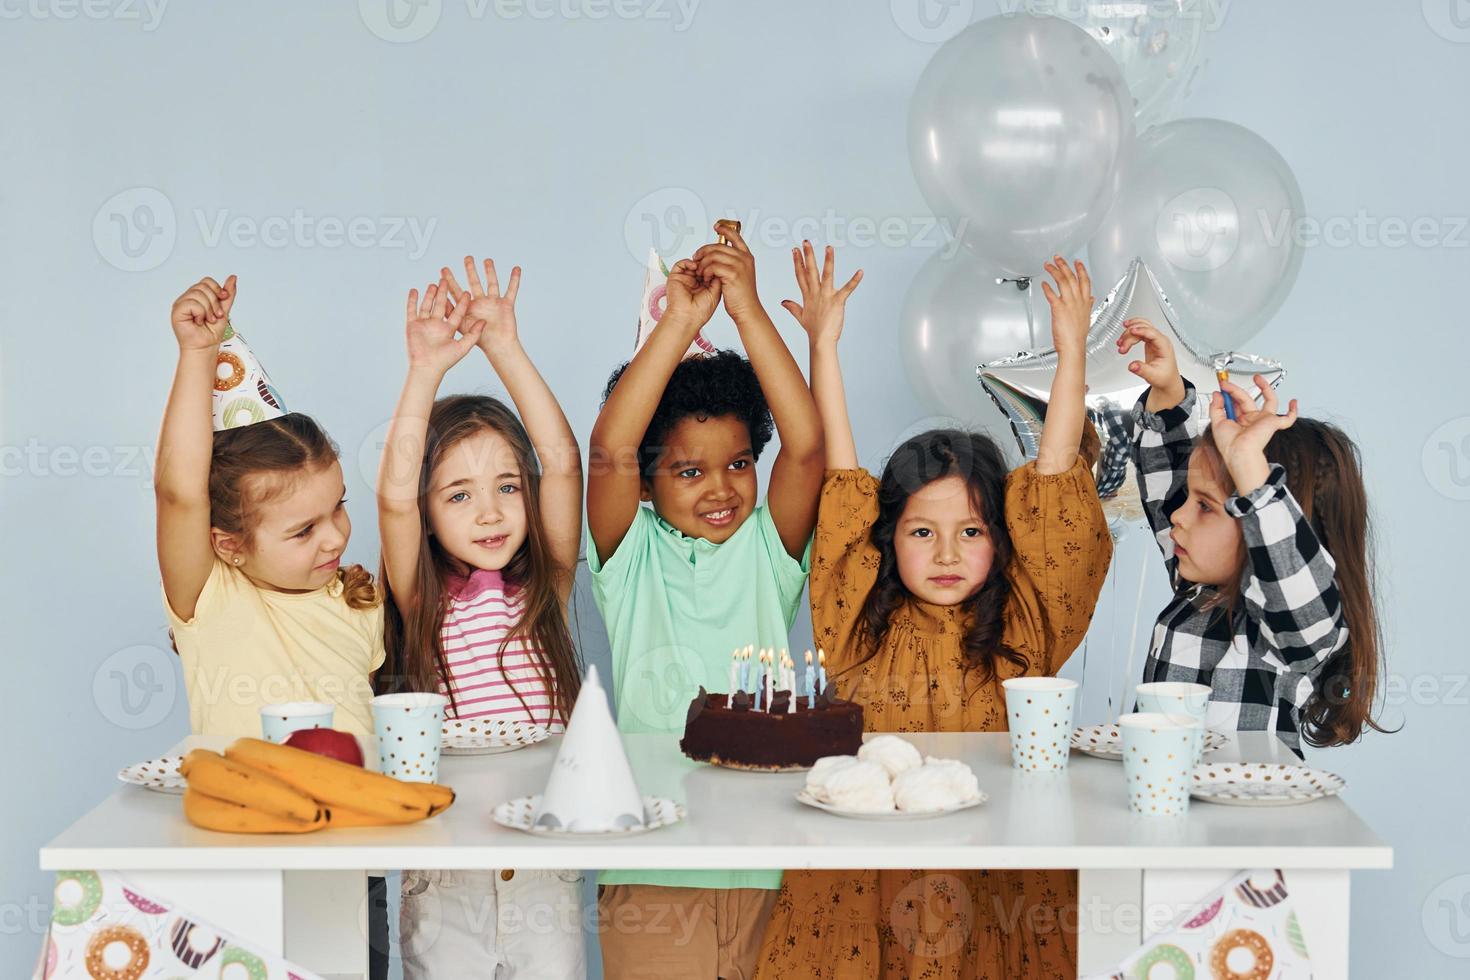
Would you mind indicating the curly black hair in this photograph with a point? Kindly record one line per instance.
(706, 386)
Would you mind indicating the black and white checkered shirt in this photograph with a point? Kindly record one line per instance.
(1261, 661)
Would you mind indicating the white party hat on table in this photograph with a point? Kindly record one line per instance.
(591, 789)
(655, 299)
(243, 394)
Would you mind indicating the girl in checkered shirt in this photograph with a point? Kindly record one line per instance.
(1263, 522)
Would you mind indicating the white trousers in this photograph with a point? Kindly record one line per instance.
(492, 925)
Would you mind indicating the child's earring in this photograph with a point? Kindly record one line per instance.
(237, 561)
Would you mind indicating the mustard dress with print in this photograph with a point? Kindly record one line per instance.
(936, 925)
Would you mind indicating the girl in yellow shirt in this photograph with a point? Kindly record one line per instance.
(251, 530)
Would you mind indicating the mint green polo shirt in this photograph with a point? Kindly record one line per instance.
(676, 607)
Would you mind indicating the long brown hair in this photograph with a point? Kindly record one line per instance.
(1324, 473)
(415, 649)
(279, 447)
(920, 461)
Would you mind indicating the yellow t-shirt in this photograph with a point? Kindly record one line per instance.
(247, 647)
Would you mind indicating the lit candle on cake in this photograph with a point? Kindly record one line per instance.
(766, 659)
(821, 670)
(811, 677)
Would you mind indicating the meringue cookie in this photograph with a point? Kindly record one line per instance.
(892, 753)
(862, 786)
(924, 789)
(817, 776)
(960, 776)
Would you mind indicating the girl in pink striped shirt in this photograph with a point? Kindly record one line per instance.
(481, 518)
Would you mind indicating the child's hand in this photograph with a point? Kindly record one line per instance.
(432, 344)
(1242, 442)
(1071, 305)
(486, 302)
(200, 316)
(689, 296)
(1158, 366)
(734, 267)
(822, 307)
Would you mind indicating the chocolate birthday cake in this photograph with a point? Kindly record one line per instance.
(739, 737)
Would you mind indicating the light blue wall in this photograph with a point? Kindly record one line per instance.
(548, 141)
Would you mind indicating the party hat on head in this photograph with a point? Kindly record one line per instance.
(243, 393)
(591, 789)
(655, 299)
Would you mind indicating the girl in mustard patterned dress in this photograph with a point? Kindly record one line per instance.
(930, 586)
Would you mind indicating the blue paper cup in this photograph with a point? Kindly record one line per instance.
(1177, 698)
(279, 720)
(1039, 715)
(1158, 762)
(410, 728)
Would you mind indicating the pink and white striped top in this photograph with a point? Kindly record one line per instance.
(481, 614)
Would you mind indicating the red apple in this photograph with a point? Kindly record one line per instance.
(328, 742)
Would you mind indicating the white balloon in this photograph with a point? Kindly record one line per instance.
(1158, 45)
(1017, 130)
(1213, 210)
(956, 317)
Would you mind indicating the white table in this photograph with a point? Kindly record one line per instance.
(304, 896)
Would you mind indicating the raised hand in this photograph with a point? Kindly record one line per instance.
(1158, 367)
(823, 306)
(1242, 441)
(486, 302)
(200, 316)
(1071, 305)
(437, 337)
(734, 267)
(689, 296)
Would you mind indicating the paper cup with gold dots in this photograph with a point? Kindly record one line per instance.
(1158, 762)
(278, 721)
(409, 729)
(1177, 698)
(1039, 715)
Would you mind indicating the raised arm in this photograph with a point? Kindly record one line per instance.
(435, 343)
(1289, 587)
(551, 434)
(796, 476)
(1164, 428)
(1066, 412)
(186, 443)
(821, 313)
(614, 481)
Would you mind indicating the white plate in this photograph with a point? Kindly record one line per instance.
(159, 775)
(1106, 742)
(657, 812)
(488, 736)
(1263, 784)
(803, 796)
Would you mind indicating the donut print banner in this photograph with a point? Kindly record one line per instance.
(1247, 930)
(243, 393)
(655, 301)
(102, 929)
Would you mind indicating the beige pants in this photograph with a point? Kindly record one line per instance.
(651, 932)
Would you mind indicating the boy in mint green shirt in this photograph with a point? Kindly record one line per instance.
(701, 572)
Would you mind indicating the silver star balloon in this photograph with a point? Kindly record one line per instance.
(1021, 385)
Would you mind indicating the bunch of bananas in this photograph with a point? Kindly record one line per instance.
(257, 787)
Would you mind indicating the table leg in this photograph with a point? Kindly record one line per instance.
(326, 921)
(1108, 917)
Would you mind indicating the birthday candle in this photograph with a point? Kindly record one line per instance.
(734, 671)
(811, 677)
(768, 680)
(821, 670)
(759, 687)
